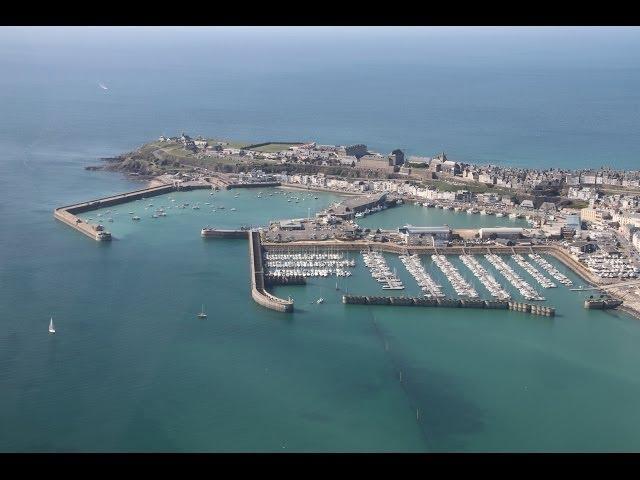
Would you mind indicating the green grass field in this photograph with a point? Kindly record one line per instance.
(228, 143)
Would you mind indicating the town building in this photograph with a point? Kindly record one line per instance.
(500, 232)
(425, 235)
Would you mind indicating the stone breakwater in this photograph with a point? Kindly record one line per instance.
(258, 291)
(67, 214)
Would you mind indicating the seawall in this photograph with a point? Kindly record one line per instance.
(220, 233)
(67, 214)
(258, 290)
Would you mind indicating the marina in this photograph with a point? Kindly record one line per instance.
(533, 271)
(314, 262)
(381, 272)
(553, 271)
(526, 290)
(485, 277)
(460, 285)
(425, 281)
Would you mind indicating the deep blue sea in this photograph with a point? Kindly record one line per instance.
(132, 369)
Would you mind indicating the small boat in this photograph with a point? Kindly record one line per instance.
(135, 217)
(320, 300)
(52, 329)
(233, 209)
(202, 314)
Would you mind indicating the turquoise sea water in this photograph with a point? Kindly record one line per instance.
(417, 215)
(131, 367)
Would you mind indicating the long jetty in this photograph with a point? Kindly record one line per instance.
(258, 291)
(68, 213)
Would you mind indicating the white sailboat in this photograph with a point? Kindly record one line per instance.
(52, 329)
(202, 314)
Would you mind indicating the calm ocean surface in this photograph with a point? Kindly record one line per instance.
(132, 369)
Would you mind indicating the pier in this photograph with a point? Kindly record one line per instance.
(258, 291)
(67, 214)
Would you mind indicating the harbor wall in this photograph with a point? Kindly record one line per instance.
(227, 234)
(79, 225)
(67, 214)
(118, 199)
(258, 290)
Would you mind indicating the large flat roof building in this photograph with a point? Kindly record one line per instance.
(424, 235)
(500, 232)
